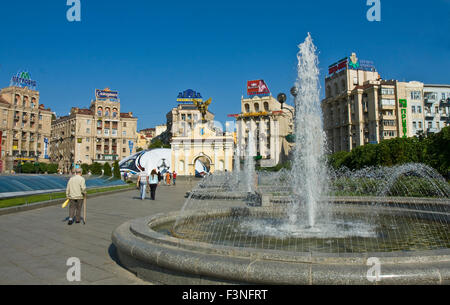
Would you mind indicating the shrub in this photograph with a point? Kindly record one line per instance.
(107, 170)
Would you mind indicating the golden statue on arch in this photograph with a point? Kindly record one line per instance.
(202, 107)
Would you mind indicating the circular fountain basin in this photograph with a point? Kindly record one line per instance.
(227, 246)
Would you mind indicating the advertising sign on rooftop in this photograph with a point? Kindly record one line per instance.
(257, 87)
(106, 94)
(188, 96)
(23, 79)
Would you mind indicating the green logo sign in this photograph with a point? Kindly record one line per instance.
(25, 75)
(403, 107)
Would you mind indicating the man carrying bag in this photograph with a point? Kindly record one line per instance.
(76, 192)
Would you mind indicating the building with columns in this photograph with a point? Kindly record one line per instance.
(195, 141)
(270, 123)
(100, 133)
(361, 108)
(25, 127)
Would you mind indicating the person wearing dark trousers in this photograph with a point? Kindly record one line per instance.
(174, 177)
(153, 181)
(75, 191)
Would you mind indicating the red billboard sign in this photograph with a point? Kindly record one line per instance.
(340, 65)
(257, 87)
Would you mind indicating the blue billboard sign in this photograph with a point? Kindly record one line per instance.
(187, 96)
(23, 79)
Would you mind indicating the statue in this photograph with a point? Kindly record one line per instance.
(202, 107)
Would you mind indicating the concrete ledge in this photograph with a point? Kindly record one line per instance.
(43, 204)
(164, 259)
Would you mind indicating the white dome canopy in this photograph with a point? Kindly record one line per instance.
(159, 159)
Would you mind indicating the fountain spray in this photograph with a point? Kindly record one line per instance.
(309, 171)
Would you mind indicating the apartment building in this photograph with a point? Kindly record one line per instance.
(25, 127)
(100, 133)
(436, 107)
(361, 108)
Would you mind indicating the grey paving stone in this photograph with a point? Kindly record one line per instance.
(37, 243)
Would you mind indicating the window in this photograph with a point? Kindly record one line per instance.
(88, 130)
(419, 109)
(414, 125)
(247, 107)
(387, 102)
(256, 107)
(88, 122)
(124, 124)
(443, 95)
(387, 91)
(413, 109)
(189, 117)
(124, 133)
(40, 117)
(420, 125)
(266, 106)
(416, 95)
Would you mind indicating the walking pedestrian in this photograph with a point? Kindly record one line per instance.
(168, 178)
(76, 192)
(174, 177)
(142, 182)
(154, 182)
(159, 176)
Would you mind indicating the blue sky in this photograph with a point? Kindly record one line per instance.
(149, 51)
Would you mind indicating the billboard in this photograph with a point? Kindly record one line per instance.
(106, 94)
(187, 96)
(257, 87)
(23, 79)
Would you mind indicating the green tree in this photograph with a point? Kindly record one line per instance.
(116, 170)
(157, 143)
(28, 168)
(52, 168)
(107, 169)
(85, 168)
(43, 167)
(96, 168)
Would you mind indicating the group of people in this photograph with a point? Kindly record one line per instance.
(153, 180)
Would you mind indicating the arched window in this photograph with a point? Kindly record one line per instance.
(107, 111)
(266, 106)
(25, 101)
(256, 107)
(16, 99)
(247, 107)
(33, 102)
(99, 111)
(114, 113)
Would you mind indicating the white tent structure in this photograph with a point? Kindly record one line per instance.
(159, 159)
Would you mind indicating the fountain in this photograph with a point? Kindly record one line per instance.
(311, 225)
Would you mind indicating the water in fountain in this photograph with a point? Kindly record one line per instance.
(250, 163)
(314, 209)
(309, 172)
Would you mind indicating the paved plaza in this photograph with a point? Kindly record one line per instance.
(36, 244)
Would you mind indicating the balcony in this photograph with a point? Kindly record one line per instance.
(429, 114)
(432, 130)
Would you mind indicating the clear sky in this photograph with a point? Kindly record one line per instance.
(151, 50)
